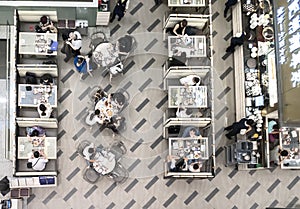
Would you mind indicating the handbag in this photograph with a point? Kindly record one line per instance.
(29, 164)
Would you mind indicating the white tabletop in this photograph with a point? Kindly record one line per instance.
(26, 147)
(105, 54)
(104, 162)
(36, 43)
(193, 46)
(107, 110)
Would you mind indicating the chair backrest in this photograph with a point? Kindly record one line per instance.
(81, 146)
(118, 149)
(120, 174)
(97, 38)
(91, 176)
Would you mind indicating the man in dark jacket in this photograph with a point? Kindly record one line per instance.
(119, 10)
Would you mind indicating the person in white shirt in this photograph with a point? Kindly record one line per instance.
(72, 45)
(44, 110)
(89, 152)
(191, 80)
(38, 162)
(183, 112)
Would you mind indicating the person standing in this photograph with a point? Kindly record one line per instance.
(229, 4)
(120, 9)
(236, 127)
(236, 41)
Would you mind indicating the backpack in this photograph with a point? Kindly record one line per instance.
(30, 78)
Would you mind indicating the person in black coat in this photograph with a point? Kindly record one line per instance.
(119, 10)
(229, 4)
(236, 41)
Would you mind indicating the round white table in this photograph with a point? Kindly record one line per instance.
(105, 54)
(107, 110)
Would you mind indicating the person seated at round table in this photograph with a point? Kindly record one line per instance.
(35, 131)
(47, 79)
(191, 132)
(99, 95)
(116, 124)
(190, 80)
(44, 110)
(38, 160)
(195, 167)
(117, 100)
(89, 153)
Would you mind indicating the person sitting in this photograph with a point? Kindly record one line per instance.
(183, 112)
(82, 65)
(99, 95)
(116, 123)
(89, 153)
(178, 59)
(190, 80)
(178, 29)
(44, 110)
(118, 100)
(72, 45)
(93, 117)
(236, 127)
(195, 167)
(47, 79)
(38, 162)
(191, 132)
(46, 25)
(35, 131)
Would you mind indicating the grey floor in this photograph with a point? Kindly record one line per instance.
(146, 187)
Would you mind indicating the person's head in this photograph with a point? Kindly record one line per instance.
(42, 107)
(35, 133)
(250, 122)
(79, 60)
(36, 154)
(275, 127)
(97, 112)
(192, 132)
(284, 153)
(72, 35)
(196, 166)
(184, 23)
(44, 20)
(91, 150)
(196, 80)
(189, 111)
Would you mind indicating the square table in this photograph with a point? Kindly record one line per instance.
(31, 98)
(26, 147)
(191, 148)
(36, 43)
(193, 46)
(190, 97)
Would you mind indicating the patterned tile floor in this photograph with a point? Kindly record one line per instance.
(146, 187)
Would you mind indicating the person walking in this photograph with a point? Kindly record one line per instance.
(120, 9)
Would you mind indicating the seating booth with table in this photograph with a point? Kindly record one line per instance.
(200, 148)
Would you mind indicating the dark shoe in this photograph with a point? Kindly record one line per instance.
(111, 20)
(119, 18)
(67, 59)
